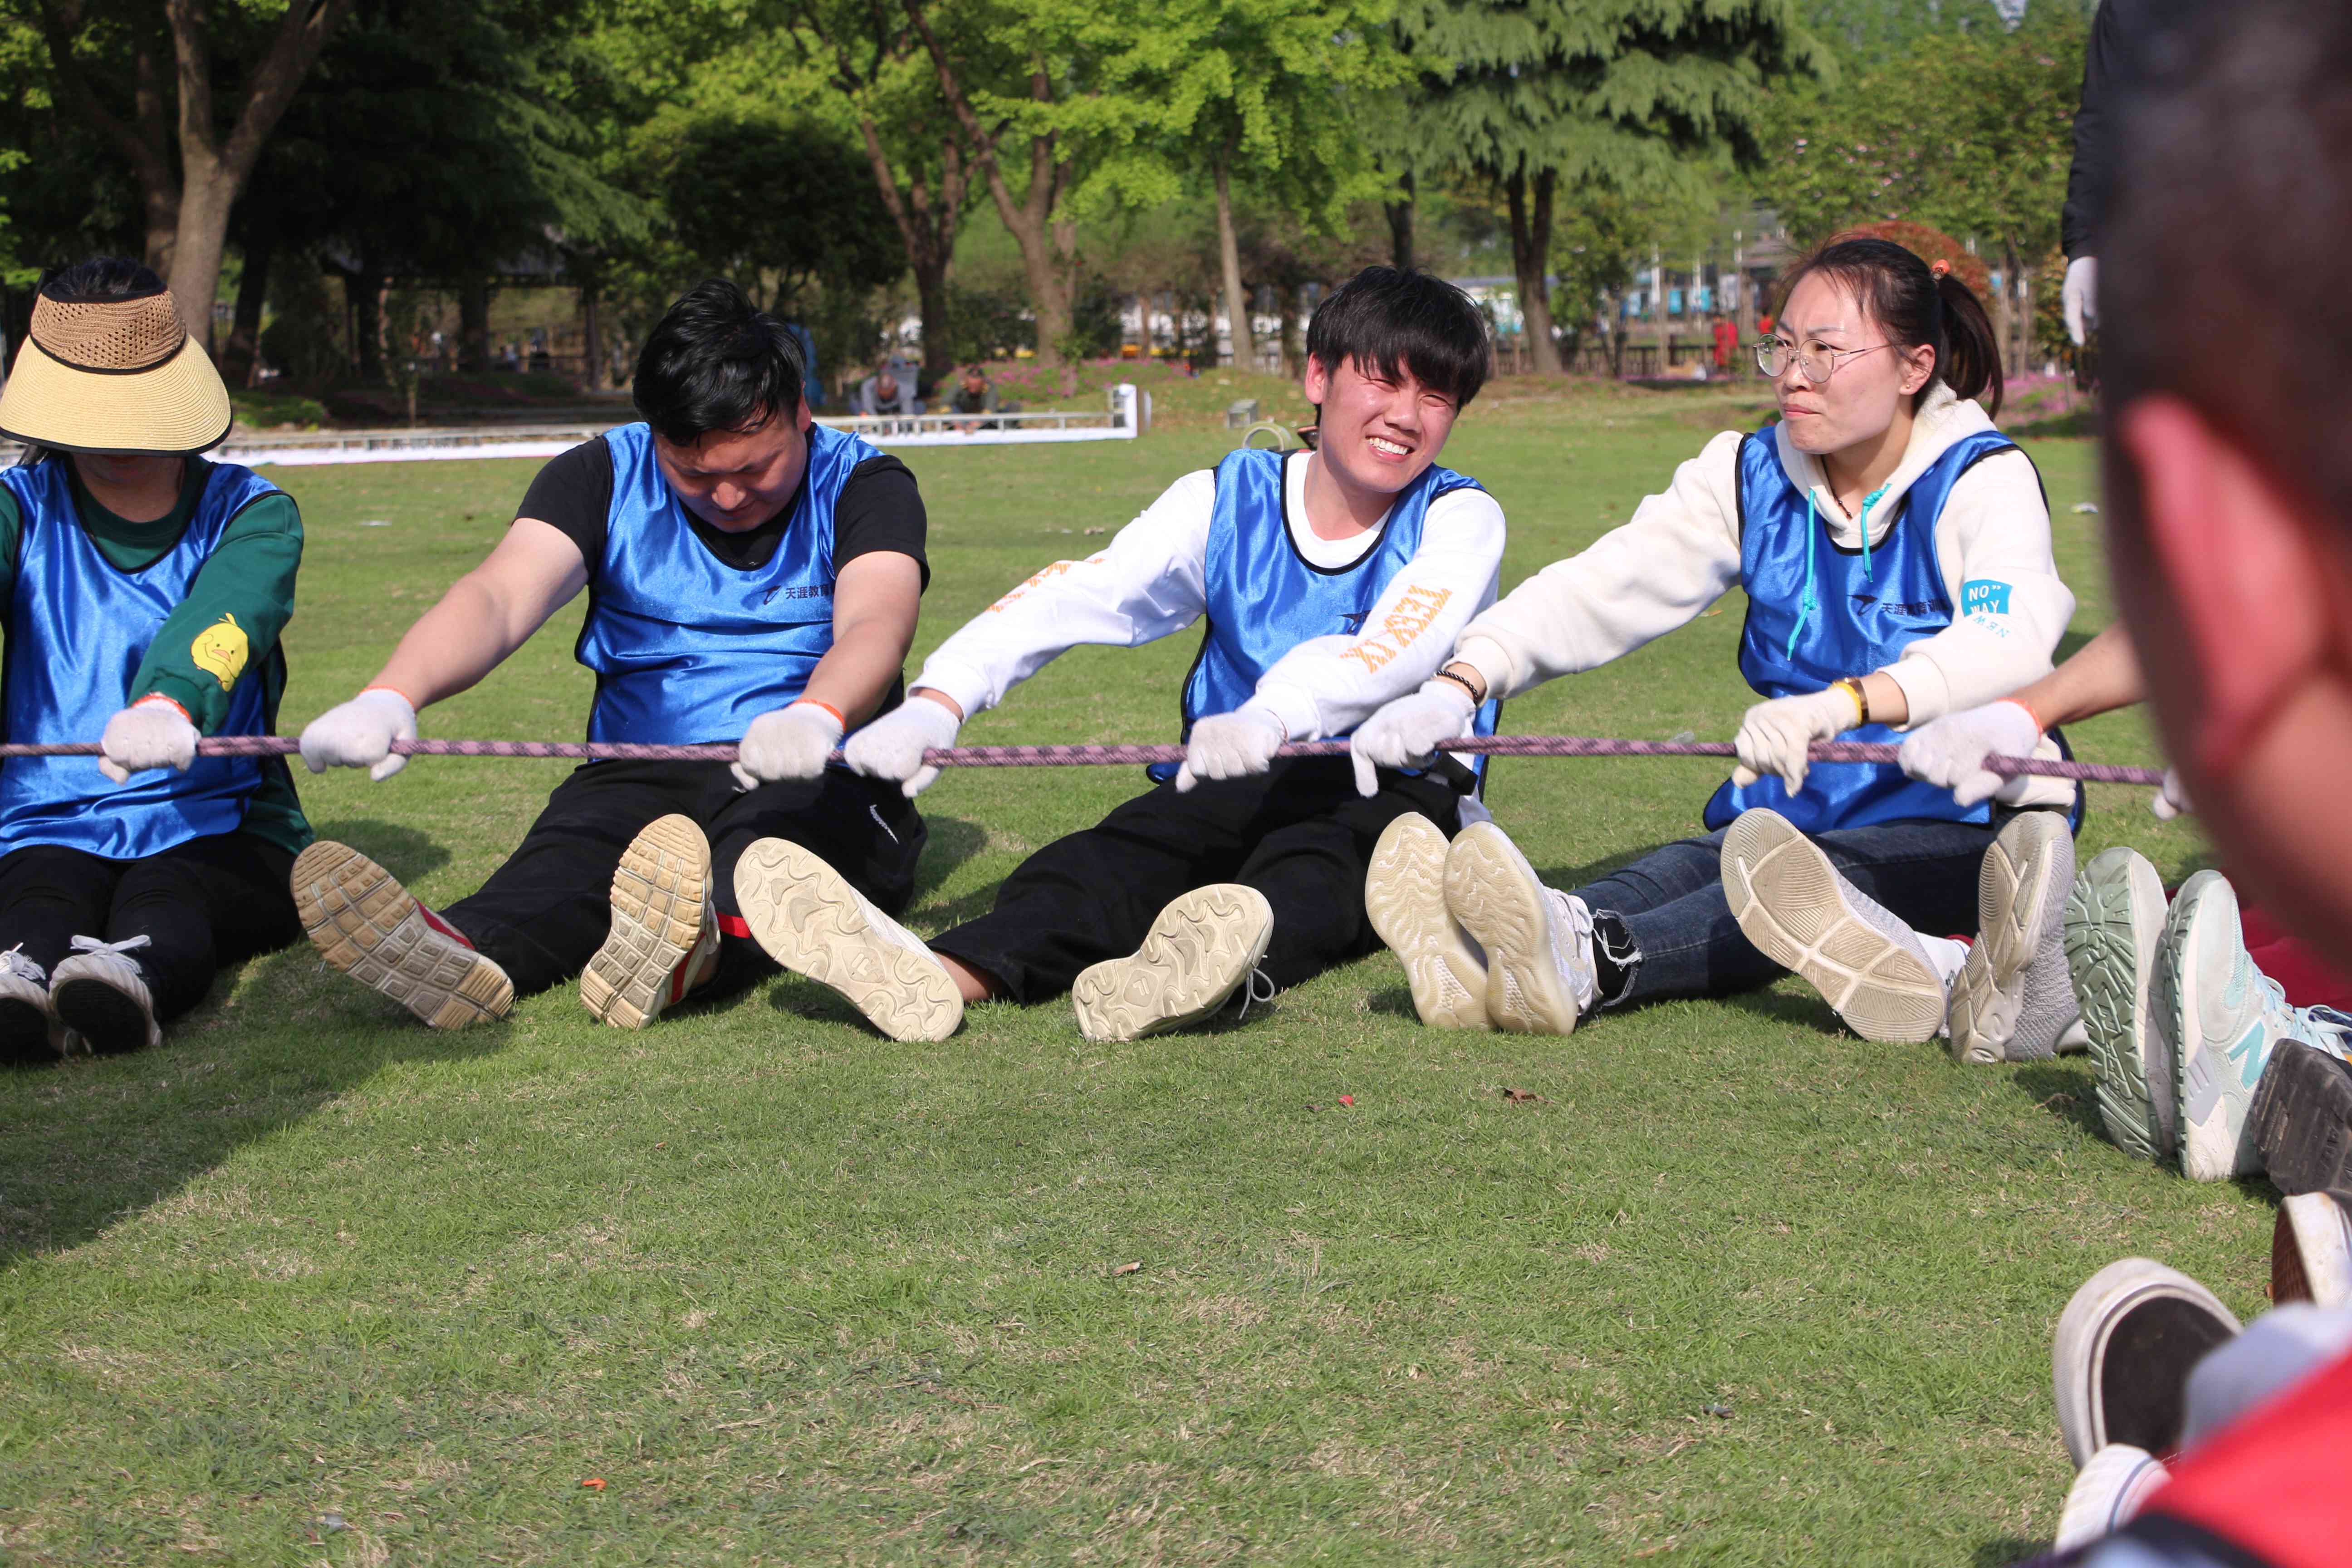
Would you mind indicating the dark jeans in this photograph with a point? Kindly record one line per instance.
(1299, 834)
(1685, 943)
(200, 904)
(542, 915)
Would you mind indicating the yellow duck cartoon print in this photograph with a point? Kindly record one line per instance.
(220, 650)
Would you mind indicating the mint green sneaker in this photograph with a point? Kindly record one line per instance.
(2114, 922)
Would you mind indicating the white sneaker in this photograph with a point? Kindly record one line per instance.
(665, 936)
(2226, 1018)
(1404, 894)
(2311, 1251)
(2107, 1494)
(2127, 1344)
(1539, 941)
(1201, 949)
(29, 1031)
(2114, 918)
(99, 993)
(1791, 902)
(809, 919)
(366, 924)
(2014, 999)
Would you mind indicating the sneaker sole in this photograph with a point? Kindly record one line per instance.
(2017, 887)
(1790, 903)
(26, 1034)
(1497, 896)
(2078, 1354)
(808, 918)
(657, 905)
(365, 923)
(2311, 1251)
(2115, 916)
(2214, 1150)
(1404, 894)
(110, 1022)
(2302, 1120)
(1199, 950)
(2107, 1494)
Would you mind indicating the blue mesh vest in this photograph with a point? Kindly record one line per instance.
(688, 650)
(78, 629)
(1264, 598)
(1816, 614)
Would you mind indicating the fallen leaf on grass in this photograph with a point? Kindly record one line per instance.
(1312, 1105)
(594, 1483)
(1522, 1096)
(1347, 1099)
(1127, 1268)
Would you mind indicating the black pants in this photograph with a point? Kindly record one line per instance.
(200, 904)
(542, 915)
(1299, 834)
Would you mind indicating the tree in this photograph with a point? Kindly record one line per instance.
(1547, 93)
(191, 147)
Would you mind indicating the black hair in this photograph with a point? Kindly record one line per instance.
(1914, 306)
(1390, 319)
(2235, 179)
(716, 362)
(101, 278)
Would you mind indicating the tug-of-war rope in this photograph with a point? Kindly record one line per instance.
(1121, 756)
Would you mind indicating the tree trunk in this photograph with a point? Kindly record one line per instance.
(474, 326)
(1530, 250)
(592, 342)
(1229, 261)
(242, 356)
(1292, 355)
(1400, 214)
(366, 290)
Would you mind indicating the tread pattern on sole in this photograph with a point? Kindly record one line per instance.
(809, 919)
(2019, 878)
(2202, 1074)
(1404, 894)
(1790, 903)
(365, 922)
(110, 1021)
(2111, 958)
(660, 890)
(1497, 896)
(1199, 951)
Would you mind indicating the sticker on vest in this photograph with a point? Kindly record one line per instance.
(1983, 596)
(221, 649)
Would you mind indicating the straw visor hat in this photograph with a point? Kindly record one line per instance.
(113, 373)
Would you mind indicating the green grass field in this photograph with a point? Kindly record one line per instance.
(310, 1284)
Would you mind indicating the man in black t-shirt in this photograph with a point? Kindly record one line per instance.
(752, 576)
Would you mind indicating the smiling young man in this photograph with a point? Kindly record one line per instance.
(1330, 581)
(752, 576)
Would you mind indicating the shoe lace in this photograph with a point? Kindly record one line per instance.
(2329, 1029)
(122, 950)
(1572, 943)
(15, 962)
(1252, 993)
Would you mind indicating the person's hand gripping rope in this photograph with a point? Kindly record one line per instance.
(360, 733)
(152, 732)
(892, 747)
(1409, 731)
(1774, 736)
(1230, 745)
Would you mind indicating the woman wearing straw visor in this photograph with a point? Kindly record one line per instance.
(1895, 550)
(145, 591)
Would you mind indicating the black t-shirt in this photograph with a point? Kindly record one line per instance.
(878, 508)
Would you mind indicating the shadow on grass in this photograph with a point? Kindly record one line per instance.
(1804, 1010)
(2066, 1089)
(85, 1142)
(2002, 1550)
(951, 842)
(1396, 1001)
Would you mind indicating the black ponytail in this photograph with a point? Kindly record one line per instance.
(1914, 305)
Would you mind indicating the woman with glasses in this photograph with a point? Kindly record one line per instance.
(1895, 550)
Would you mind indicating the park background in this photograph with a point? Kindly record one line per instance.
(1714, 1282)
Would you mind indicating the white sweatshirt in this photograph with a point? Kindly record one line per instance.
(1152, 581)
(1680, 553)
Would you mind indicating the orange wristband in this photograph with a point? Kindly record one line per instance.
(395, 690)
(2038, 727)
(166, 701)
(828, 707)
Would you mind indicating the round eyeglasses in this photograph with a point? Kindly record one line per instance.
(1817, 360)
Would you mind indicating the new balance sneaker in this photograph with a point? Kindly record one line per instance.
(665, 936)
(1404, 893)
(366, 924)
(2311, 1250)
(2126, 1344)
(2227, 1017)
(809, 919)
(2108, 1493)
(29, 1031)
(99, 993)
(2302, 1114)
(1790, 901)
(1203, 948)
(1538, 941)
(2014, 1000)
(2115, 918)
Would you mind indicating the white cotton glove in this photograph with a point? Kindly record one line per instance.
(788, 742)
(360, 733)
(892, 747)
(2079, 297)
(1773, 736)
(1408, 733)
(2172, 800)
(1950, 753)
(152, 732)
(1230, 745)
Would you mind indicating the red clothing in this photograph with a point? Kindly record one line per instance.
(2278, 953)
(2273, 1482)
(1726, 342)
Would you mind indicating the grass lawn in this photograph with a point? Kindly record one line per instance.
(311, 1284)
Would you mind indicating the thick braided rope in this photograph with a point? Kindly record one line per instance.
(1120, 756)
